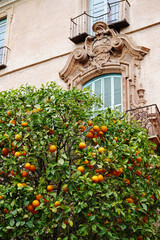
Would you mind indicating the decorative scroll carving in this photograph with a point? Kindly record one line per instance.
(107, 52)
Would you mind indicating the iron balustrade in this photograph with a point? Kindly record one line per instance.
(116, 16)
(148, 117)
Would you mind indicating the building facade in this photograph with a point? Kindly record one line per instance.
(110, 46)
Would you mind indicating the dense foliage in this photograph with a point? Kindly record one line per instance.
(66, 173)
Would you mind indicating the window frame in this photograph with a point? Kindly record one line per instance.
(2, 48)
(102, 78)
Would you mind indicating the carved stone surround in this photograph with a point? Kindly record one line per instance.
(108, 52)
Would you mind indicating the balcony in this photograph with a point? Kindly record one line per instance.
(116, 16)
(149, 118)
(3, 56)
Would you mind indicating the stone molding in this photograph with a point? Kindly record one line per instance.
(108, 52)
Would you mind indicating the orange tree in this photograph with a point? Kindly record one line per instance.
(66, 173)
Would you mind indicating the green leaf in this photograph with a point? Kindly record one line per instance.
(30, 224)
(61, 161)
(12, 222)
(144, 206)
(63, 225)
(70, 223)
(94, 227)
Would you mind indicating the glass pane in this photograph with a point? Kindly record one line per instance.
(117, 90)
(107, 91)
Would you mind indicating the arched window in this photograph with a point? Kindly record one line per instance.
(109, 86)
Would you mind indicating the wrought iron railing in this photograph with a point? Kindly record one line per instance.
(148, 117)
(3, 56)
(116, 13)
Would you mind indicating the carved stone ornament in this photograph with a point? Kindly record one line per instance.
(107, 52)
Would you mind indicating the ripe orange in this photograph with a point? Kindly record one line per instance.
(24, 174)
(5, 151)
(130, 168)
(30, 207)
(101, 150)
(81, 169)
(107, 160)
(18, 137)
(12, 122)
(129, 200)
(35, 203)
(81, 128)
(120, 170)
(138, 173)
(96, 128)
(23, 153)
(89, 135)
(106, 222)
(100, 178)
(24, 124)
(86, 161)
(19, 185)
(5, 210)
(38, 197)
(17, 154)
(90, 123)
(116, 139)
(52, 148)
(9, 113)
(82, 145)
(57, 203)
(90, 166)
(80, 122)
(92, 131)
(12, 172)
(24, 184)
(126, 181)
(49, 188)
(66, 222)
(32, 168)
(104, 129)
(27, 166)
(99, 134)
(139, 159)
(1, 197)
(95, 179)
(93, 154)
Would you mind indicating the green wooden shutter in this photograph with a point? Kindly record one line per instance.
(109, 86)
(2, 36)
(107, 91)
(98, 89)
(117, 92)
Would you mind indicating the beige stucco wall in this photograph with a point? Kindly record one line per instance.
(37, 31)
(38, 37)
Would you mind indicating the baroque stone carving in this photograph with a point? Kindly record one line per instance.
(107, 52)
